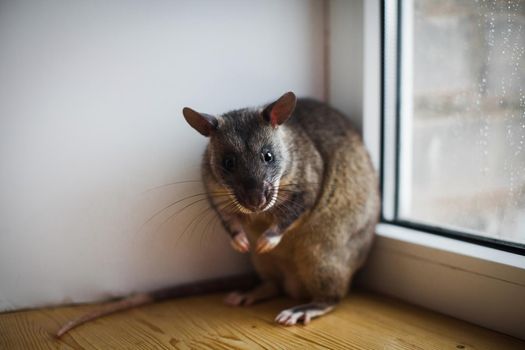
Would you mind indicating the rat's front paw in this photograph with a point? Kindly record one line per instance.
(268, 241)
(240, 242)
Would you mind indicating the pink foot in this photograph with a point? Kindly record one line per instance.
(302, 313)
(265, 243)
(240, 243)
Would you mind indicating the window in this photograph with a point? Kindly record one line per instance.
(453, 152)
(421, 81)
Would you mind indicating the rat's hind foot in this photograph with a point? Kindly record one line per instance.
(264, 291)
(304, 313)
(238, 299)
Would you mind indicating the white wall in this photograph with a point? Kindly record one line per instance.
(345, 81)
(91, 94)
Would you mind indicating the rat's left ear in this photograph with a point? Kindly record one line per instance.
(203, 123)
(279, 111)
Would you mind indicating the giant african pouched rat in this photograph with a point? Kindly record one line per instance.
(293, 183)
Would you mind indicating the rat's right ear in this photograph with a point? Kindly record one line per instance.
(203, 123)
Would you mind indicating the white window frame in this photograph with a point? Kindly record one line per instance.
(476, 283)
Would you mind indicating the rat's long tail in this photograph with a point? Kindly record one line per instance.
(209, 286)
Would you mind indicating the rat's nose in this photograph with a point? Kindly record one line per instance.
(254, 195)
(256, 200)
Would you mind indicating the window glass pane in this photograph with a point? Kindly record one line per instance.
(462, 159)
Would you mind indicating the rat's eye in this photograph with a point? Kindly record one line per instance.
(267, 156)
(228, 163)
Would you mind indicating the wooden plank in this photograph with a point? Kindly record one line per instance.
(363, 321)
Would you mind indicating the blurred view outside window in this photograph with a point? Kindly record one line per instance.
(463, 116)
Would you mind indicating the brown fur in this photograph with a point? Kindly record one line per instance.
(320, 252)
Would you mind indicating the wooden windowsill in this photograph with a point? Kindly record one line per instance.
(363, 321)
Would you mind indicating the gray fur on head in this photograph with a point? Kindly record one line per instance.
(248, 153)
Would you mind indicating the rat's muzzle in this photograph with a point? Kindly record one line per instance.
(254, 196)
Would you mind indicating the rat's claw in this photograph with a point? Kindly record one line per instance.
(265, 243)
(240, 242)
